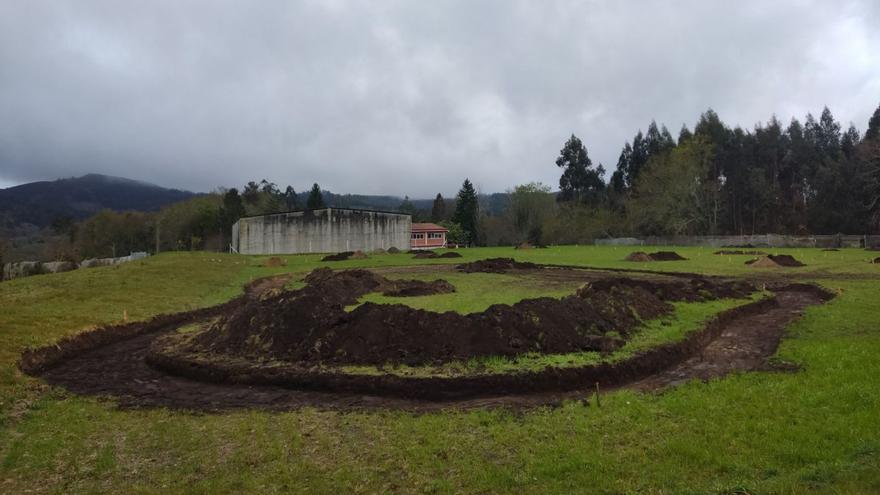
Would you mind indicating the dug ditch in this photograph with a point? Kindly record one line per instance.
(113, 362)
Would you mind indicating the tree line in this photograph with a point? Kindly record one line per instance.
(800, 178)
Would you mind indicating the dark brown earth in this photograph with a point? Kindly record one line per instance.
(743, 341)
(744, 344)
(666, 256)
(338, 256)
(751, 252)
(496, 265)
(311, 326)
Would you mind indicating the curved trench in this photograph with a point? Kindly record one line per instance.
(115, 366)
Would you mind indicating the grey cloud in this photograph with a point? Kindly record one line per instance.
(402, 97)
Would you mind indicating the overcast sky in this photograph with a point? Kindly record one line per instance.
(403, 97)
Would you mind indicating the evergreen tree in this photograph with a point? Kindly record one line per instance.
(407, 207)
(684, 134)
(579, 180)
(290, 199)
(315, 200)
(619, 177)
(849, 141)
(438, 209)
(873, 131)
(466, 210)
(231, 210)
(251, 193)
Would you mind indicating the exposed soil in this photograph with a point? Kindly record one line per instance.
(450, 254)
(275, 261)
(411, 288)
(496, 265)
(876, 260)
(751, 252)
(775, 261)
(666, 256)
(338, 256)
(738, 340)
(425, 255)
(392, 250)
(311, 326)
(658, 256)
(743, 344)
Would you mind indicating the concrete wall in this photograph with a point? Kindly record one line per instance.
(330, 230)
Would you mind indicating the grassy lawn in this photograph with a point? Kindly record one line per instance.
(816, 431)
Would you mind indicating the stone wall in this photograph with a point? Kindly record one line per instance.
(329, 230)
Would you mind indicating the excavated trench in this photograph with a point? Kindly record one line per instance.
(145, 365)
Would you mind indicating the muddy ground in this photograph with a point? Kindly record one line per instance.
(118, 369)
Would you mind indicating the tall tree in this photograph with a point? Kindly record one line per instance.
(316, 198)
(231, 210)
(873, 131)
(466, 211)
(579, 180)
(684, 134)
(438, 209)
(290, 199)
(407, 206)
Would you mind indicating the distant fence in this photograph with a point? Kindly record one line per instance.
(763, 240)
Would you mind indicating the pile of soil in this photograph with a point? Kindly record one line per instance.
(359, 255)
(450, 254)
(496, 265)
(876, 260)
(311, 326)
(392, 250)
(666, 256)
(275, 261)
(424, 255)
(338, 256)
(658, 256)
(740, 251)
(638, 256)
(411, 288)
(775, 261)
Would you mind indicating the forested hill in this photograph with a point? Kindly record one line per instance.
(41, 203)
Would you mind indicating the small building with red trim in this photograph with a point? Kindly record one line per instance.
(427, 236)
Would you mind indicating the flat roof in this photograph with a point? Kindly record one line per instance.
(421, 227)
(327, 208)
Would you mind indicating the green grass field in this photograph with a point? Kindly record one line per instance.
(815, 431)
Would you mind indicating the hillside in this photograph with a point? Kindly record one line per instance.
(39, 203)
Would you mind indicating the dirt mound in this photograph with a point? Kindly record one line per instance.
(831, 249)
(876, 260)
(638, 256)
(393, 250)
(450, 254)
(410, 288)
(359, 255)
(740, 251)
(425, 255)
(311, 326)
(774, 261)
(496, 265)
(666, 256)
(275, 261)
(338, 256)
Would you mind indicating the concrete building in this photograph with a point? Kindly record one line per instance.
(427, 236)
(328, 230)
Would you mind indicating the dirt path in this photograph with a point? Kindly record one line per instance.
(744, 345)
(119, 371)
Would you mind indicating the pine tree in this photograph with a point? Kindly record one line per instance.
(316, 198)
(579, 180)
(407, 207)
(466, 210)
(873, 131)
(438, 209)
(684, 134)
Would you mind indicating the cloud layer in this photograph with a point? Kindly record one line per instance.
(403, 97)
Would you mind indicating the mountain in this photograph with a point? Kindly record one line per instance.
(40, 203)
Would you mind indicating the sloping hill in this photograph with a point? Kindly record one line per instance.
(39, 203)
